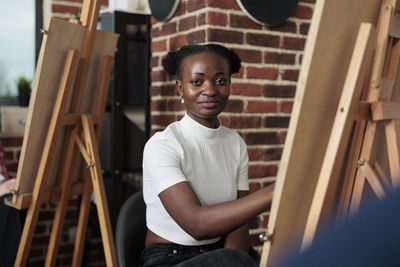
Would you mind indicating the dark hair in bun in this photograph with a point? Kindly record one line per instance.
(172, 63)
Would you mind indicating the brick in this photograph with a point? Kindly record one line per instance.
(255, 106)
(201, 19)
(265, 220)
(247, 55)
(158, 76)
(158, 46)
(238, 21)
(255, 154)
(234, 106)
(246, 89)
(259, 171)
(261, 138)
(155, 32)
(11, 167)
(158, 105)
(282, 137)
(11, 142)
(254, 223)
(40, 240)
(290, 75)
(36, 262)
(175, 105)
(182, 8)
(272, 154)
(196, 37)
(164, 90)
(293, 43)
(266, 73)
(168, 28)
(285, 106)
(64, 9)
(36, 253)
(216, 18)
(154, 62)
(280, 58)
(46, 215)
(163, 120)
(304, 27)
(40, 229)
(223, 4)
(66, 248)
(303, 12)
(217, 35)
(265, 40)
(177, 42)
(239, 122)
(194, 5)
(287, 26)
(187, 23)
(254, 186)
(9, 155)
(272, 90)
(276, 122)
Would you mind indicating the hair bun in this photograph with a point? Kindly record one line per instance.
(169, 63)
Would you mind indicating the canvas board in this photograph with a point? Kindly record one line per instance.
(328, 51)
(61, 36)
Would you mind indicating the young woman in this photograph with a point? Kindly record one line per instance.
(195, 181)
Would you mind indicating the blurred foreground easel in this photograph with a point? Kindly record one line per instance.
(66, 112)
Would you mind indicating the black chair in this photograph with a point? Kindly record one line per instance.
(130, 233)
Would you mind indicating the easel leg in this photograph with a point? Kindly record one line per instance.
(84, 212)
(99, 191)
(62, 205)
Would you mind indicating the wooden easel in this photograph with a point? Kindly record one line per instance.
(365, 121)
(72, 124)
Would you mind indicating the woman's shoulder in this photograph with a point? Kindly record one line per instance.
(167, 137)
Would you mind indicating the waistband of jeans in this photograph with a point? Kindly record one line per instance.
(202, 248)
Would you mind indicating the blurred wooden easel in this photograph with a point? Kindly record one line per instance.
(66, 112)
(342, 145)
(367, 119)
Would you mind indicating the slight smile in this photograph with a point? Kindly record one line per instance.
(209, 104)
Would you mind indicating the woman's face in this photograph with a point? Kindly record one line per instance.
(205, 87)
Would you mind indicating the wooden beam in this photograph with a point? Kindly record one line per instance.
(385, 110)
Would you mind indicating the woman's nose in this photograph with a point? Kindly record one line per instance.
(210, 89)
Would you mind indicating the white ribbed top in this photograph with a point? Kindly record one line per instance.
(213, 161)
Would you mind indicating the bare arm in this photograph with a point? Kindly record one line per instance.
(239, 238)
(204, 222)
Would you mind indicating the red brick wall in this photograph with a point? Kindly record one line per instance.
(261, 94)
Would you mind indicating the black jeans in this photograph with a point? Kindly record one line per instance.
(167, 255)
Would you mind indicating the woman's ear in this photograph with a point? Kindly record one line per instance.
(179, 87)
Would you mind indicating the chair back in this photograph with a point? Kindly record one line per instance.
(130, 233)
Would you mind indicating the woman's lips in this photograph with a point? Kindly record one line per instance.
(209, 104)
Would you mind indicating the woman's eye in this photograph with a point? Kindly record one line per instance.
(221, 81)
(196, 82)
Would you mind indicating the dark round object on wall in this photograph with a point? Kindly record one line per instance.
(163, 10)
(270, 12)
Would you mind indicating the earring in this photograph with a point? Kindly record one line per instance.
(182, 101)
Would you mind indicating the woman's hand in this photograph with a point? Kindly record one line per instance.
(7, 186)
